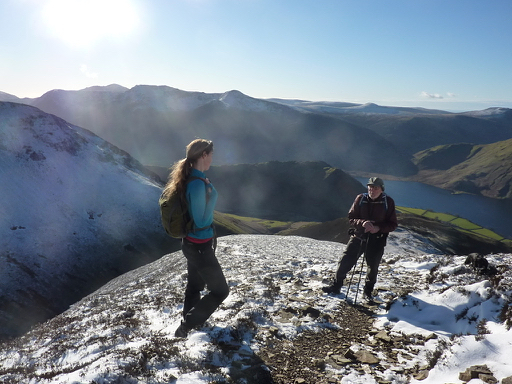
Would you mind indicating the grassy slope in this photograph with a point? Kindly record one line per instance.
(451, 234)
(461, 224)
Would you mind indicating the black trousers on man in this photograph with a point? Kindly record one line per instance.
(372, 245)
(203, 270)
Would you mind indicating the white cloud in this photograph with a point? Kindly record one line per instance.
(437, 95)
(431, 95)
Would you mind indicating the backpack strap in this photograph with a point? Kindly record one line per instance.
(363, 199)
(384, 197)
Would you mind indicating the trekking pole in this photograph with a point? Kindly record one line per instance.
(362, 265)
(354, 269)
(350, 281)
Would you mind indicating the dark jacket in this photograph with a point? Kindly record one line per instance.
(381, 212)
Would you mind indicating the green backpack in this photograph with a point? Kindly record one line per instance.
(176, 219)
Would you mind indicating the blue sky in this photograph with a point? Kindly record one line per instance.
(446, 54)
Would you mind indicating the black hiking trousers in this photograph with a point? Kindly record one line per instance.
(373, 255)
(203, 270)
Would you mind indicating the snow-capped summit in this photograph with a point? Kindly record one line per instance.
(73, 214)
(493, 111)
(237, 99)
(354, 109)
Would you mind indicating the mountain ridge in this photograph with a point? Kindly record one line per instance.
(282, 130)
(62, 232)
(177, 116)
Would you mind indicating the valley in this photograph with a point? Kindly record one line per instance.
(466, 152)
(268, 173)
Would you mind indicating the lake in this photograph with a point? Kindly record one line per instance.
(490, 213)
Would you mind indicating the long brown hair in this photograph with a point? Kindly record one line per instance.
(181, 169)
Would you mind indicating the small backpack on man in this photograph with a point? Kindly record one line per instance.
(176, 219)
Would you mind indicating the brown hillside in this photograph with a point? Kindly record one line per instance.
(479, 169)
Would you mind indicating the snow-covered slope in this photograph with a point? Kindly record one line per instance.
(432, 325)
(75, 211)
(495, 111)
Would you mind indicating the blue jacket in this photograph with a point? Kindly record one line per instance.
(201, 199)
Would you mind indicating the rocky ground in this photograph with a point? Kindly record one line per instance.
(324, 357)
(306, 359)
(276, 326)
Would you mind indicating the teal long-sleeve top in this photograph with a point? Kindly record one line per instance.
(201, 200)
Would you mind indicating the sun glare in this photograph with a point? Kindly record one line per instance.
(83, 22)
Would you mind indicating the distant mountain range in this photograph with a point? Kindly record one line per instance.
(76, 211)
(416, 129)
(154, 123)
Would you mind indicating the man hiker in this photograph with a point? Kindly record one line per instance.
(372, 216)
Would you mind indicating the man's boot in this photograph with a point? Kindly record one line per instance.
(368, 293)
(182, 330)
(334, 288)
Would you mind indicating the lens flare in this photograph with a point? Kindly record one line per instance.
(84, 22)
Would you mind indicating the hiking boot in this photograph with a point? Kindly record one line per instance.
(332, 289)
(368, 294)
(182, 331)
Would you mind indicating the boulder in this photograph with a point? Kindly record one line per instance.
(481, 372)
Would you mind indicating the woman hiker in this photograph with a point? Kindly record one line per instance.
(199, 245)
